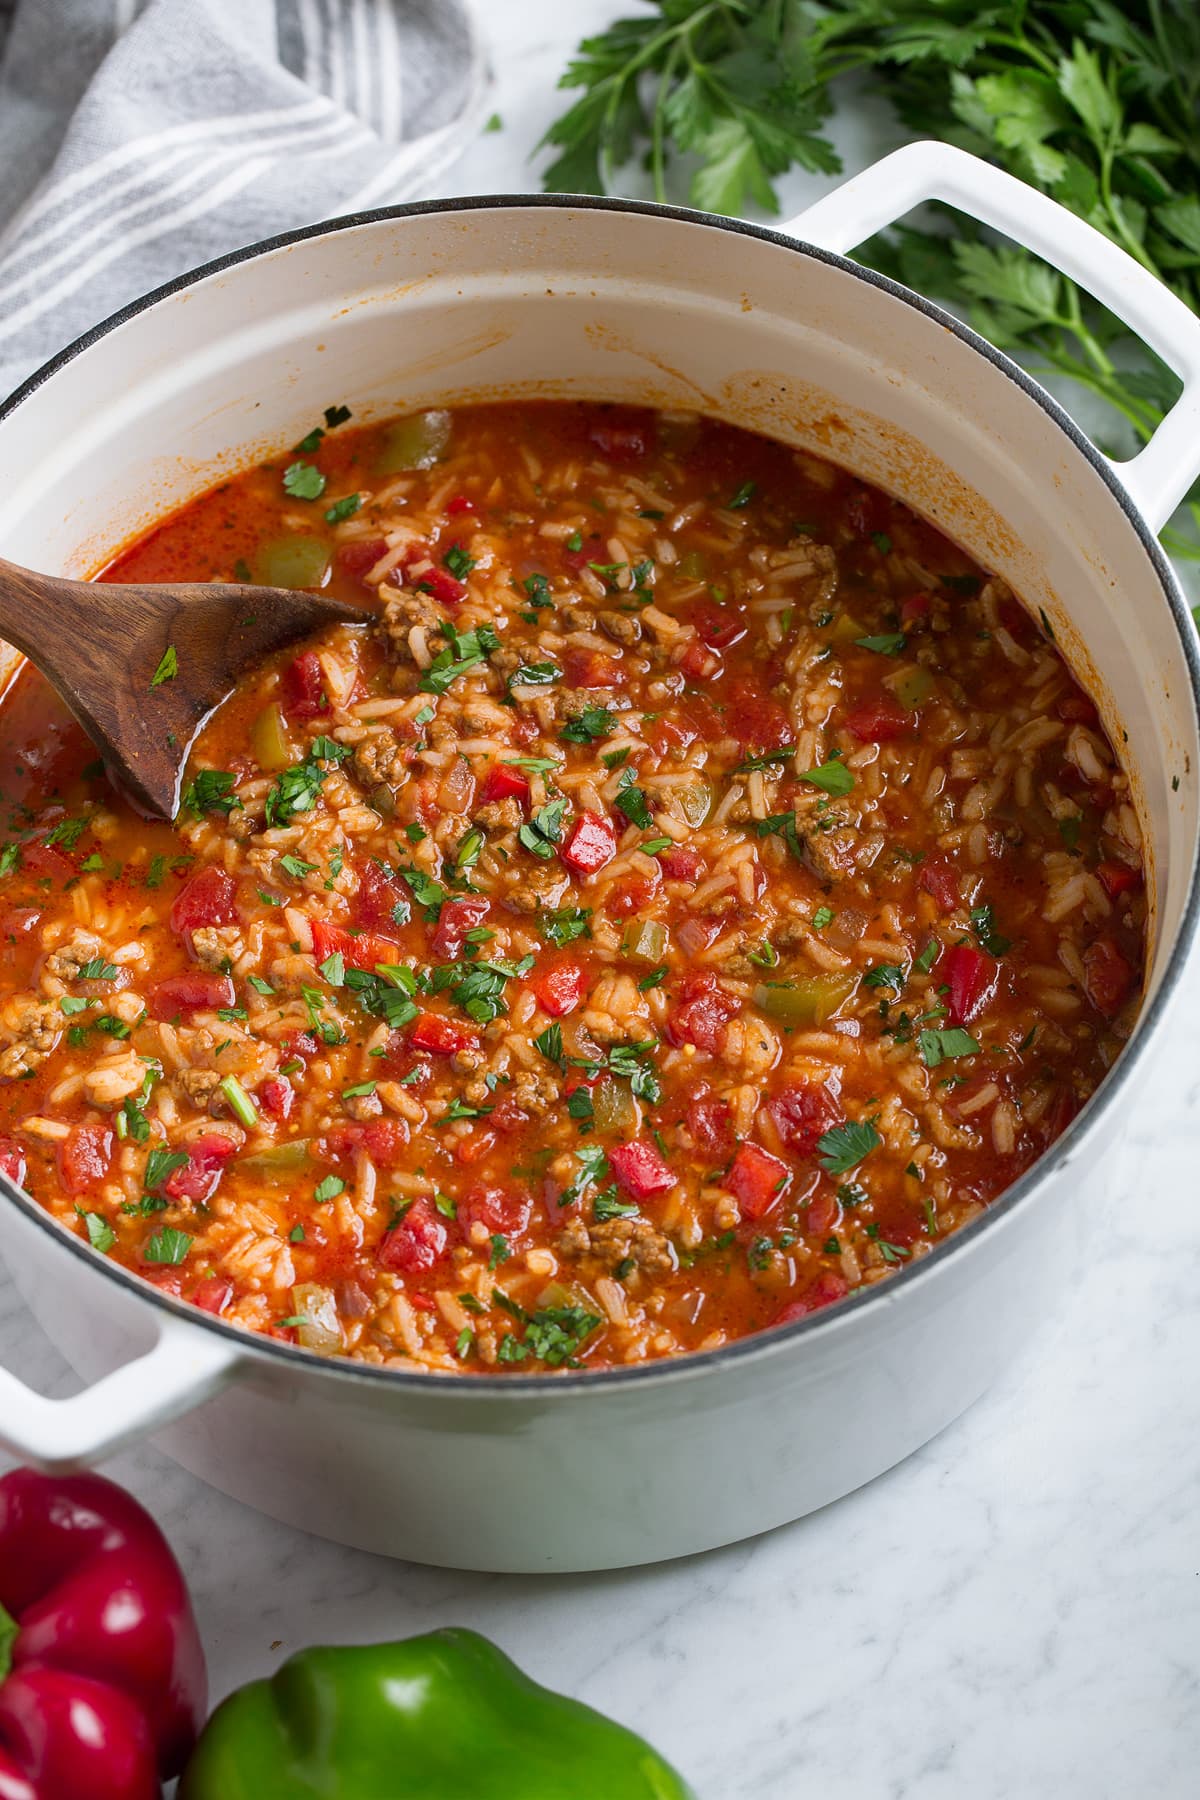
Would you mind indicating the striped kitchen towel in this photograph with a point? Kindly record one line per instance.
(141, 137)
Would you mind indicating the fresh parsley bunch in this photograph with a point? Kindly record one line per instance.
(1094, 102)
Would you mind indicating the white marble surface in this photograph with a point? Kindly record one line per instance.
(1015, 1611)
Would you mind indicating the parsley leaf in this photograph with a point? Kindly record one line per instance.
(937, 1047)
(844, 1146)
(303, 481)
(168, 667)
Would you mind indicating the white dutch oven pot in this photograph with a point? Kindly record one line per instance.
(775, 331)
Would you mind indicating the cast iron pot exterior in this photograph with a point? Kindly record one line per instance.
(510, 298)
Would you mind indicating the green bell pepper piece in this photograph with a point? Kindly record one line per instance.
(438, 1717)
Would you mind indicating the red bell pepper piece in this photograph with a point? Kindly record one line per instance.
(914, 610)
(12, 1160)
(1107, 977)
(377, 898)
(460, 503)
(440, 1036)
(972, 979)
(102, 1680)
(940, 880)
(591, 842)
(420, 571)
(559, 988)
(640, 1169)
(825, 1290)
(756, 1179)
(504, 783)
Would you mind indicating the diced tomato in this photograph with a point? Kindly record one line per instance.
(383, 1141)
(46, 863)
(1107, 977)
(1118, 878)
(12, 1160)
(200, 1176)
(360, 555)
(507, 1115)
(701, 1012)
(84, 1156)
(679, 862)
(200, 990)
(277, 1097)
(304, 686)
(559, 987)
(755, 719)
(456, 918)
(472, 1145)
(207, 899)
(823, 1212)
(756, 1179)
(632, 894)
(378, 895)
(623, 434)
(459, 504)
(915, 610)
(693, 716)
(16, 922)
(304, 1044)
(878, 721)
(592, 669)
(361, 950)
(1077, 709)
(710, 1122)
(826, 1289)
(497, 1209)
(972, 979)
(213, 1295)
(590, 550)
(421, 571)
(865, 510)
(440, 1036)
(590, 844)
(417, 1243)
(170, 1281)
(719, 626)
(640, 1170)
(699, 662)
(422, 1302)
(940, 879)
(504, 783)
(803, 1113)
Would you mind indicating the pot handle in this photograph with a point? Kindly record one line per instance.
(183, 1368)
(1160, 475)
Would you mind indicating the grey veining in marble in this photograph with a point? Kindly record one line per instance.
(1015, 1611)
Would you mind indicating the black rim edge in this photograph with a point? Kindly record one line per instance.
(771, 1341)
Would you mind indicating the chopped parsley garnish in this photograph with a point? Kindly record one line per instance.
(167, 1246)
(743, 497)
(783, 825)
(458, 562)
(539, 674)
(882, 542)
(889, 975)
(345, 508)
(832, 777)
(565, 925)
(983, 924)
(303, 481)
(631, 800)
(653, 979)
(96, 969)
(543, 832)
(156, 871)
(1069, 830)
(767, 760)
(823, 916)
(552, 1335)
(550, 1043)
(329, 1188)
(211, 790)
(336, 415)
(928, 956)
(500, 1251)
(593, 722)
(296, 789)
(478, 987)
(101, 1235)
(296, 867)
(464, 651)
(843, 1147)
(887, 643)
(937, 1047)
(67, 833)
(160, 1164)
(168, 667)
(537, 590)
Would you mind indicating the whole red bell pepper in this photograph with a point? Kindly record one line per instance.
(102, 1680)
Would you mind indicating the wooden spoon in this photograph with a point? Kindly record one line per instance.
(102, 647)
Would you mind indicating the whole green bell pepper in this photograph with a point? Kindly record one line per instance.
(439, 1717)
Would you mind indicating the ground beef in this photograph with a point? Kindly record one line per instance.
(363, 1107)
(214, 945)
(616, 1240)
(401, 612)
(622, 628)
(532, 889)
(80, 948)
(34, 1028)
(830, 854)
(378, 760)
(201, 1088)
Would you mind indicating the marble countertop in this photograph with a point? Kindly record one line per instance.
(1014, 1611)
